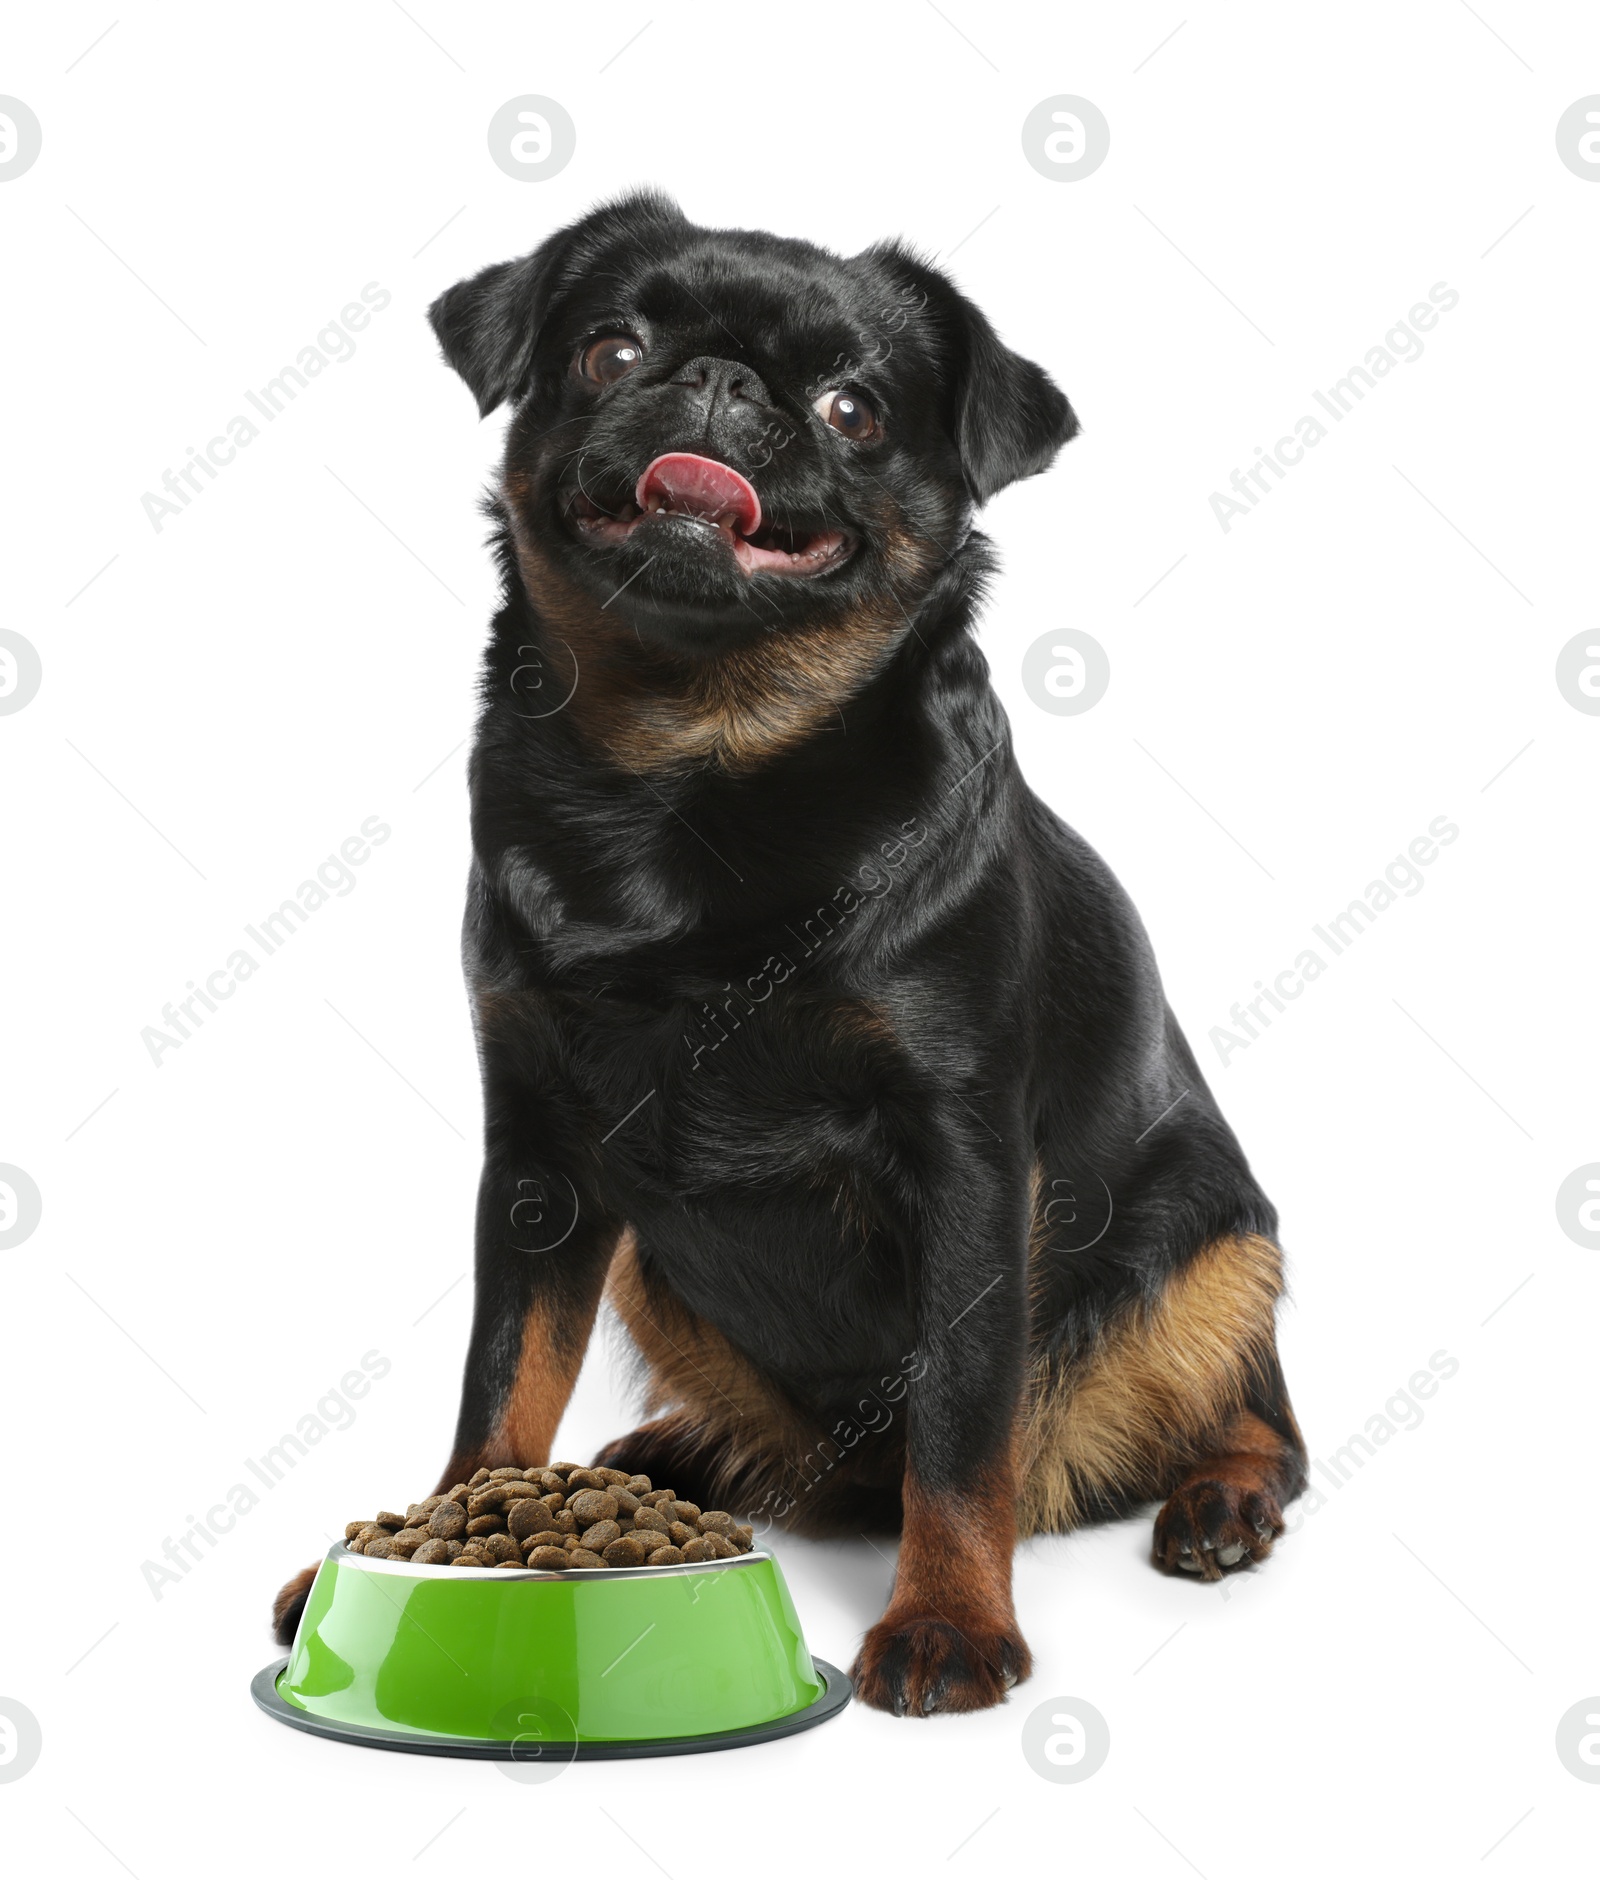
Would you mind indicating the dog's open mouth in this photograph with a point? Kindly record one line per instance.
(713, 496)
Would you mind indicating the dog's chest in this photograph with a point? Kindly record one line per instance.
(771, 1082)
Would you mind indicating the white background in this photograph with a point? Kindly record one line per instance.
(1369, 649)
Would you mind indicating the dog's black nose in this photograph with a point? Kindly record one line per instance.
(719, 381)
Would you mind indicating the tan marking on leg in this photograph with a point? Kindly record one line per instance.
(949, 1639)
(955, 1553)
(555, 1337)
(1155, 1391)
(547, 1369)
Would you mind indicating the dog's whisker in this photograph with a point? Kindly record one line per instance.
(583, 417)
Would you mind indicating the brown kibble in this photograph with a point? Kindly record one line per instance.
(592, 1505)
(448, 1521)
(526, 1517)
(569, 1514)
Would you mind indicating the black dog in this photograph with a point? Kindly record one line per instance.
(801, 1019)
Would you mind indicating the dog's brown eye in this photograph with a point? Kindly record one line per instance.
(604, 361)
(849, 413)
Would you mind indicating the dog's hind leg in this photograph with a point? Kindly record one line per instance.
(1228, 1509)
(1180, 1400)
(675, 1452)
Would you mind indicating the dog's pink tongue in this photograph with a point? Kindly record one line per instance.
(699, 486)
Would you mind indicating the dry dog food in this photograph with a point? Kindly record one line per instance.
(558, 1518)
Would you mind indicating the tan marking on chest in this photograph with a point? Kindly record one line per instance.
(653, 712)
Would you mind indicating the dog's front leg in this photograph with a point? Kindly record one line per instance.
(949, 1639)
(543, 1246)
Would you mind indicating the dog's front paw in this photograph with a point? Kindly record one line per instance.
(290, 1603)
(920, 1666)
(1215, 1527)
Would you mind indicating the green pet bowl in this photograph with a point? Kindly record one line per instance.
(544, 1668)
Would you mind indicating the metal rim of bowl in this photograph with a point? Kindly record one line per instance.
(836, 1693)
(342, 1554)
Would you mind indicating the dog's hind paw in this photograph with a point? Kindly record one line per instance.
(1215, 1527)
(922, 1666)
(671, 1452)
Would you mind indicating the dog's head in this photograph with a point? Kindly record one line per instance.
(720, 434)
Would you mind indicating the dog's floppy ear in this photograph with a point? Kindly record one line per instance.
(489, 327)
(1007, 416)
